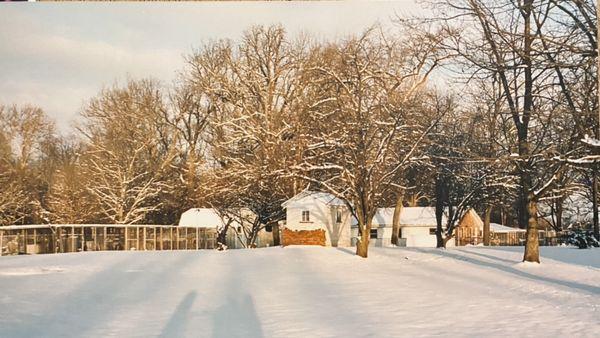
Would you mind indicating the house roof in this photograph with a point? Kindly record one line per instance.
(495, 227)
(201, 218)
(471, 220)
(411, 216)
(305, 195)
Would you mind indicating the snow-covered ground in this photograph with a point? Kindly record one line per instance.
(302, 292)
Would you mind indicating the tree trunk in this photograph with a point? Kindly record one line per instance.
(222, 237)
(396, 219)
(276, 239)
(594, 178)
(559, 214)
(532, 247)
(529, 200)
(486, 225)
(251, 239)
(362, 247)
(447, 239)
(595, 204)
(439, 212)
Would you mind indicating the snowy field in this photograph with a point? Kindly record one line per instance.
(302, 292)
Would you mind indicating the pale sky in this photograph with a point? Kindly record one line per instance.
(59, 55)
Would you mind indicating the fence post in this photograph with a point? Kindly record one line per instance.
(186, 238)
(105, 232)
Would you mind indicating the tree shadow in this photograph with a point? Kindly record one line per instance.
(568, 284)
(558, 254)
(488, 256)
(348, 251)
(99, 297)
(237, 317)
(177, 323)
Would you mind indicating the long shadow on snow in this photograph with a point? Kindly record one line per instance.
(98, 298)
(337, 298)
(237, 316)
(472, 260)
(346, 251)
(551, 252)
(177, 323)
(509, 261)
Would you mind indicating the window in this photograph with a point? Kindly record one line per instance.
(305, 216)
(432, 231)
(338, 216)
(269, 228)
(373, 233)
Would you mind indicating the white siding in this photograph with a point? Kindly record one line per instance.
(322, 216)
(418, 236)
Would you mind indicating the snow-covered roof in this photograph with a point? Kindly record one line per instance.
(312, 196)
(495, 227)
(201, 218)
(412, 216)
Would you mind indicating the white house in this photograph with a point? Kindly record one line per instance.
(311, 210)
(417, 227)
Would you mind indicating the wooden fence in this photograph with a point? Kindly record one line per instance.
(473, 236)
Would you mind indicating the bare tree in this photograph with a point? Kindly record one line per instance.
(68, 200)
(25, 133)
(128, 168)
(253, 93)
(507, 41)
(369, 119)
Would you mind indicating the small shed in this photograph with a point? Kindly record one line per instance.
(210, 221)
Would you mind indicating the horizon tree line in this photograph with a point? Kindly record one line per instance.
(248, 125)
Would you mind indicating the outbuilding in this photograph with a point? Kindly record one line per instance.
(212, 221)
(323, 219)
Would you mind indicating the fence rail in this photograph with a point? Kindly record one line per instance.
(466, 236)
(99, 237)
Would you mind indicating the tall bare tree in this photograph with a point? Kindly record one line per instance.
(369, 119)
(507, 41)
(25, 134)
(129, 152)
(253, 93)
